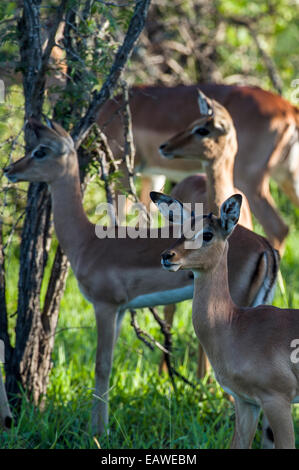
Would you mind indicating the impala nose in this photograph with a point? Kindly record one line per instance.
(6, 172)
(168, 261)
(166, 257)
(163, 151)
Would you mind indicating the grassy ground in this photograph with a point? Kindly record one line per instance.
(144, 410)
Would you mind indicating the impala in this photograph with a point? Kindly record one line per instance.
(267, 130)
(212, 140)
(249, 348)
(119, 273)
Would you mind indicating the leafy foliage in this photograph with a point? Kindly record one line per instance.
(192, 41)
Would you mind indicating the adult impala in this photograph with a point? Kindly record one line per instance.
(117, 273)
(212, 140)
(267, 130)
(250, 349)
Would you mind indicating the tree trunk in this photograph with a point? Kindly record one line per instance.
(23, 366)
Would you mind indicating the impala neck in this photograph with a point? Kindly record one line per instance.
(220, 171)
(213, 308)
(72, 226)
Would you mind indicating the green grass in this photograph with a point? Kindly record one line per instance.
(144, 410)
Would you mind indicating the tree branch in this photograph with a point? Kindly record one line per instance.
(141, 333)
(29, 28)
(129, 148)
(269, 63)
(51, 39)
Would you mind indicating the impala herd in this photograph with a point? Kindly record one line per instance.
(239, 137)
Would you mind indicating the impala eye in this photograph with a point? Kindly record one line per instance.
(201, 131)
(207, 236)
(40, 153)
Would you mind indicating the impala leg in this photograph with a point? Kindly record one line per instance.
(203, 364)
(267, 434)
(120, 317)
(5, 413)
(246, 420)
(290, 188)
(148, 184)
(263, 207)
(279, 413)
(146, 188)
(169, 311)
(106, 330)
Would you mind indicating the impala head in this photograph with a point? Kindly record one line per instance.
(52, 156)
(214, 232)
(207, 137)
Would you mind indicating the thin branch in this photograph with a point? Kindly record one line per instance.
(167, 343)
(105, 177)
(9, 20)
(112, 4)
(269, 63)
(107, 149)
(67, 328)
(141, 334)
(129, 148)
(13, 229)
(52, 34)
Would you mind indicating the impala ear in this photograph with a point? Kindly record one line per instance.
(172, 209)
(60, 131)
(205, 105)
(230, 213)
(50, 131)
(39, 129)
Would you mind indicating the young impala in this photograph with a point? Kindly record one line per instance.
(212, 140)
(250, 349)
(121, 272)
